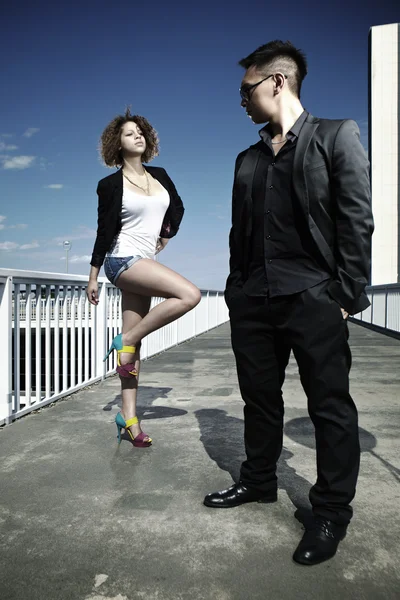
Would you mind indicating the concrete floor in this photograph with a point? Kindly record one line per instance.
(82, 518)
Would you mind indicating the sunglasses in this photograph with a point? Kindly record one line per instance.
(246, 91)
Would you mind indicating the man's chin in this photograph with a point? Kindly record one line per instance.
(257, 120)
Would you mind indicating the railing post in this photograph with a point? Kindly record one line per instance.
(194, 321)
(208, 309)
(101, 332)
(6, 355)
(386, 307)
(372, 307)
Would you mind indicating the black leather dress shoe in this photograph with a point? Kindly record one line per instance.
(238, 494)
(319, 542)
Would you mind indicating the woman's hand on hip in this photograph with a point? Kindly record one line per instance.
(161, 243)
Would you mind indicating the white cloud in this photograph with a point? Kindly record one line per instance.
(196, 267)
(30, 132)
(44, 163)
(17, 226)
(54, 186)
(17, 162)
(7, 147)
(78, 259)
(8, 246)
(218, 216)
(29, 246)
(6, 135)
(81, 233)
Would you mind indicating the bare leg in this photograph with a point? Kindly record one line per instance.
(134, 309)
(149, 278)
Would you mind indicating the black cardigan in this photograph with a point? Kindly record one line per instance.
(110, 191)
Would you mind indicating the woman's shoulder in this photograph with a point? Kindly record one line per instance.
(156, 170)
(109, 180)
(161, 174)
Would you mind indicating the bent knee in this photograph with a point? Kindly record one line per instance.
(191, 297)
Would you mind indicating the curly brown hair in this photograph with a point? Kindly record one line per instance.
(110, 141)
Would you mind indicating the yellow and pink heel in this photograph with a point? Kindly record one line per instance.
(139, 441)
(128, 370)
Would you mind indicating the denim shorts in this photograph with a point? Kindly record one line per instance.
(115, 265)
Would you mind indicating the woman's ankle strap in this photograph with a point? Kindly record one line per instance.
(132, 421)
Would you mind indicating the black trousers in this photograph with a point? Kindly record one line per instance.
(264, 330)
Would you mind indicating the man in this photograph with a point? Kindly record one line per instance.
(299, 263)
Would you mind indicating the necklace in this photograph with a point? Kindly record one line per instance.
(146, 189)
(281, 142)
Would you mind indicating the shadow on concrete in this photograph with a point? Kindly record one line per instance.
(145, 409)
(301, 430)
(146, 394)
(222, 437)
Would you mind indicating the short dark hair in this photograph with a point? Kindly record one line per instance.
(280, 56)
(110, 141)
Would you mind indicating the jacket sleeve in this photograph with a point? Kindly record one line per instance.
(100, 249)
(354, 221)
(174, 214)
(235, 277)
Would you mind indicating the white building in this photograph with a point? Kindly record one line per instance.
(384, 151)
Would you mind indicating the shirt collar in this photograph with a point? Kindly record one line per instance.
(293, 132)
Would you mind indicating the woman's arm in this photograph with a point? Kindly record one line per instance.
(174, 214)
(99, 247)
(103, 222)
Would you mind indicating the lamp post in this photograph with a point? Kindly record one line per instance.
(67, 246)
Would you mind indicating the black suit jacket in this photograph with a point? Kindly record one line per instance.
(331, 184)
(110, 191)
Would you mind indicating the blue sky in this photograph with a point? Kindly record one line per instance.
(68, 69)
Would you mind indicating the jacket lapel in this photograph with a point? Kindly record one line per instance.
(244, 187)
(117, 188)
(301, 191)
(117, 179)
(299, 180)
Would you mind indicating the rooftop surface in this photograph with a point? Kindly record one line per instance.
(82, 518)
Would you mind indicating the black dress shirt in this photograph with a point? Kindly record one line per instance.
(283, 258)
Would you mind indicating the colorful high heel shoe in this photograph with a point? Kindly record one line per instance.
(128, 370)
(139, 440)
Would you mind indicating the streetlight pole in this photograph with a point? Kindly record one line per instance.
(67, 245)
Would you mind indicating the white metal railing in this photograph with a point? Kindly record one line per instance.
(25, 306)
(384, 312)
(53, 340)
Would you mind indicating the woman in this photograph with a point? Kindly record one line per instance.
(139, 211)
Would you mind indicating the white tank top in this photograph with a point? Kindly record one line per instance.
(141, 218)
